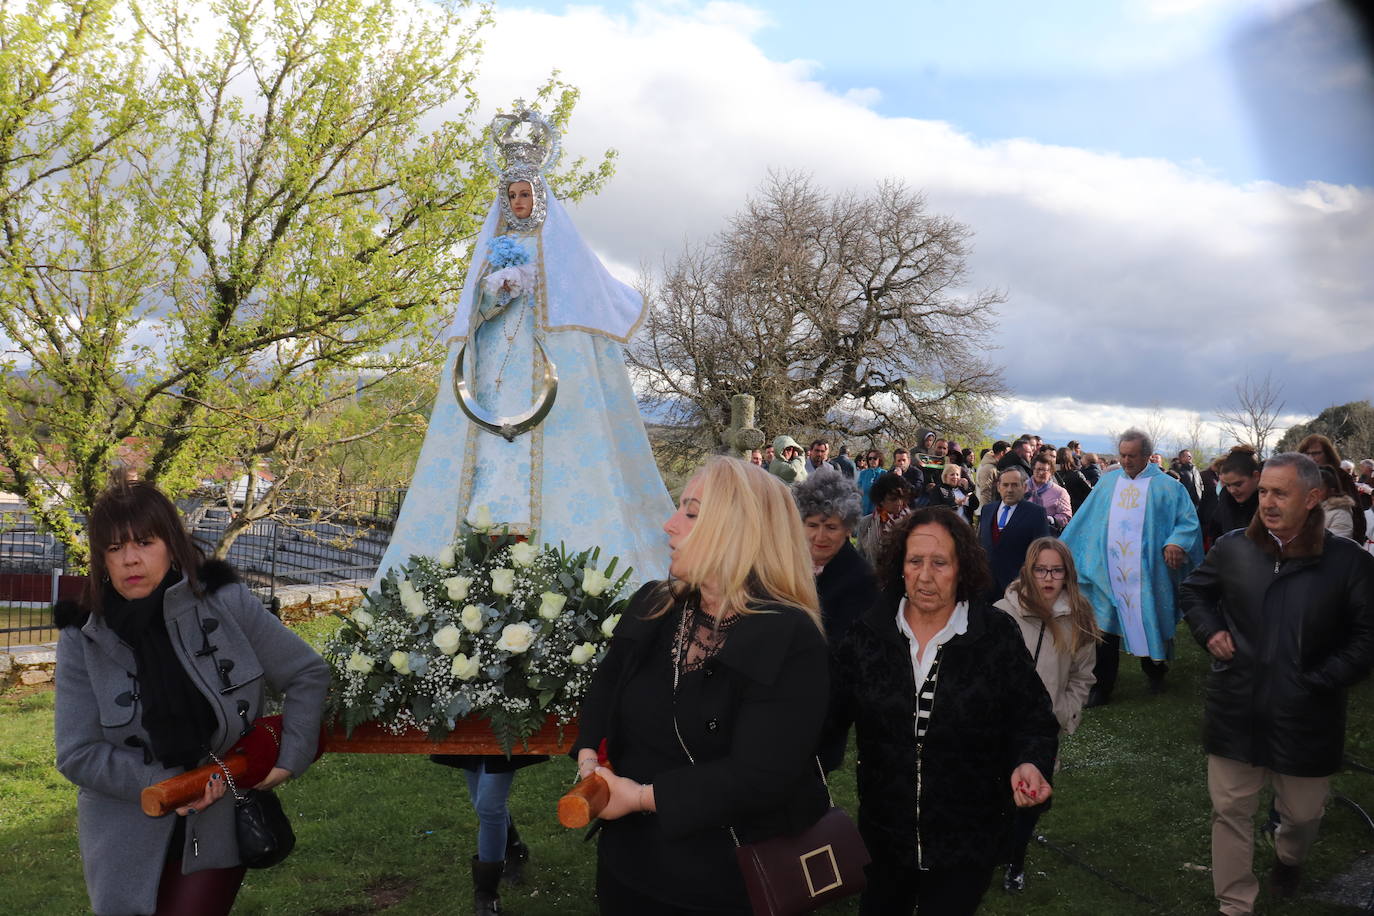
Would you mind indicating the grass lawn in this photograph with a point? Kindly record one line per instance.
(395, 833)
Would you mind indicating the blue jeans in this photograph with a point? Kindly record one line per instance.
(489, 792)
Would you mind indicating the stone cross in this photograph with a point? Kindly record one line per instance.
(741, 437)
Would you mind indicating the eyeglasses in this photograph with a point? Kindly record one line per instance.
(1049, 572)
(1315, 453)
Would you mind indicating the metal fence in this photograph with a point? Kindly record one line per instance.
(303, 548)
(32, 579)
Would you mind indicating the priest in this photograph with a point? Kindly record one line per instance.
(1134, 539)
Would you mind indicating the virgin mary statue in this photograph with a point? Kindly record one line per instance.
(536, 425)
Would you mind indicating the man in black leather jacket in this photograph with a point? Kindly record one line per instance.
(1286, 611)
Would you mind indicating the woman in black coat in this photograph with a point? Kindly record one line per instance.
(953, 725)
(709, 703)
(829, 506)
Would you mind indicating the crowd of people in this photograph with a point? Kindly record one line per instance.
(1092, 555)
(955, 618)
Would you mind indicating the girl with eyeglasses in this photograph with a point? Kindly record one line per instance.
(1061, 633)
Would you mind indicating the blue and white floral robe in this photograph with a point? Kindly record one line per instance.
(585, 476)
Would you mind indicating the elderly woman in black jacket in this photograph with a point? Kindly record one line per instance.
(953, 725)
(829, 504)
(709, 702)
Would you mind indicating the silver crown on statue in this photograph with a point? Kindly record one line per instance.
(530, 148)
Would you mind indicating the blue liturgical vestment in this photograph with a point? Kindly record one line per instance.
(1104, 545)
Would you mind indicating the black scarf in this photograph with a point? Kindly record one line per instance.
(178, 718)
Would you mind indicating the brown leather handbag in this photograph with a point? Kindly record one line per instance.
(797, 874)
(792, 874)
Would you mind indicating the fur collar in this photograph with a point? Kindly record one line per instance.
(213, 574)
(1308, 543)
(1338, 502)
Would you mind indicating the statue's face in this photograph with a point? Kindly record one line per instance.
(521, 196)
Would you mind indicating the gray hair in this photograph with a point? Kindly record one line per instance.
(1013, 468)
(1147, 445)
(1308, 472)
(827, 492)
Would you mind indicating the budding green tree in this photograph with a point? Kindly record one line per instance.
(224, 225)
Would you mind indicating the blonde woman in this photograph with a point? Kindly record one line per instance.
(710, 701)
(1061, 633)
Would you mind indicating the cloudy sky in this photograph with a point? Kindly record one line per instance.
(1172, 193)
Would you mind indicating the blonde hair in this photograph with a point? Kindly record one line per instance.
(747, 541)
(1082, 622)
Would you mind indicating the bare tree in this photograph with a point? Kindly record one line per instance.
(1195, 439)
(1254, 416)
(837, 312)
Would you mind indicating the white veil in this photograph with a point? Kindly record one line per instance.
(579, 294)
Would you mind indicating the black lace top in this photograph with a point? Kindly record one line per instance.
(703, 635)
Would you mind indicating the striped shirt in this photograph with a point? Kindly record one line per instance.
(923, 662)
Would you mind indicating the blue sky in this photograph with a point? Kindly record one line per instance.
(1250, 90)
(1174, 194)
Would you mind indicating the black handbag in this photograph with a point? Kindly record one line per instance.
(263, 830)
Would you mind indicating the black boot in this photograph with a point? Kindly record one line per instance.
(517, 854)
(486, 883)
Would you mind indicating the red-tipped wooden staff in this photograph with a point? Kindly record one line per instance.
(585, 800)
(248, 762)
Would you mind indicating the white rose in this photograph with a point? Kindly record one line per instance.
(412, 600)
(481, 519)
(447, 557)
(363, 619)
(523, 553)
(464, 668)
(516, 637)
(360, 663)
(503, 581)
(608, 625)
(582, 654)
(593, 583)
(400, 661)
(448, 639)
(457, 587)
(552, 605)
(472, 618)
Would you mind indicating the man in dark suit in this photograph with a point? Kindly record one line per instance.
(1007, 528)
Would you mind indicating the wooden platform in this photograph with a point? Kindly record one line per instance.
(472, 736)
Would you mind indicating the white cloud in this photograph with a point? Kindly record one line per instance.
(866, 97)
(1058, 418)
(1130, 280)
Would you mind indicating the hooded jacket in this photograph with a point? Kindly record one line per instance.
(790, 472)
(1340, 516)
(1302, 620)
(232, 650)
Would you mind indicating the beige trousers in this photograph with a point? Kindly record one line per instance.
(1235, 789)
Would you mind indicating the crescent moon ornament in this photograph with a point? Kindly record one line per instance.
(506, 427)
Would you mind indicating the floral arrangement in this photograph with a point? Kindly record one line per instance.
(505, 251)
(492, 627)
(511, 272)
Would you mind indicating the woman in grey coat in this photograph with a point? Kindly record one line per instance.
(165, 659)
